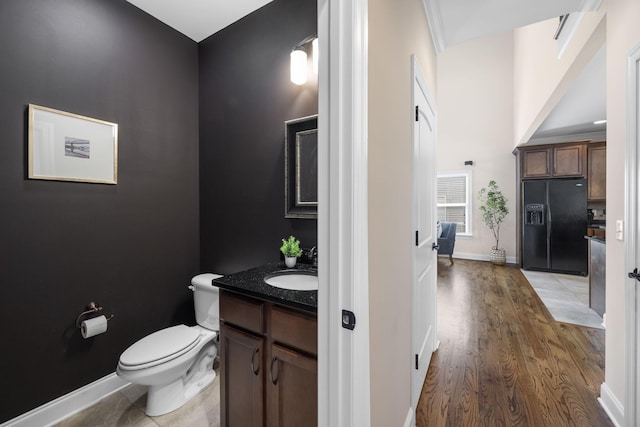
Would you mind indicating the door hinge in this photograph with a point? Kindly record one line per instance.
(416, 362)
(417, 110)
(417, 238)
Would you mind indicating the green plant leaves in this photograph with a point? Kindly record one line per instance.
(291, 247)
(493, 208)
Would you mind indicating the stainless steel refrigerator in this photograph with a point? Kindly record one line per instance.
(554, 226)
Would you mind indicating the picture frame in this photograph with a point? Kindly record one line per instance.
(69, 147)
(301, 167)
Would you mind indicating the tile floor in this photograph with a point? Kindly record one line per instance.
(125, 408)
(565, 296)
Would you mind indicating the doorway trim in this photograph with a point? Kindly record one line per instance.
(631, 237)
(343, 354)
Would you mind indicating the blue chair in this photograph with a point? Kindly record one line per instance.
(447, 239)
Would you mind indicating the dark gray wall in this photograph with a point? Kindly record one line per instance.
(132, 247)
(245, 98)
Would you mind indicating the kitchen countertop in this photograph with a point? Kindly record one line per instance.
(596, 239)
(251, 283)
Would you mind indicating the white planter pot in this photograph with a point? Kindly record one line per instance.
(290, 261)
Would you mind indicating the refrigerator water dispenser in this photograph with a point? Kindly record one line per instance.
(534, 214)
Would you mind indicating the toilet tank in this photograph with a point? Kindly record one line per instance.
(205, 301)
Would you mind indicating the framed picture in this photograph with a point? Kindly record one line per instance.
(69, 147)
(301, 167)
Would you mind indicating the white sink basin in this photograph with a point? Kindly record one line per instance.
(295, 280)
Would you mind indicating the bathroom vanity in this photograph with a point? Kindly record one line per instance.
(268, 352)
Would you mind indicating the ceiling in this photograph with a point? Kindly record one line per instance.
(584, 103)
(451, 22)
(456, 21)
(198, 19)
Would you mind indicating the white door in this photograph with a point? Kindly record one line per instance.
(632, 242)
(423, 310)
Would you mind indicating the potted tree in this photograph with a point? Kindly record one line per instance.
(494, 210)
(291, 250)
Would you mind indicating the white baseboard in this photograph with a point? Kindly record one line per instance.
(481, 257)
(69, 404)
(611, 405)
(409, 421)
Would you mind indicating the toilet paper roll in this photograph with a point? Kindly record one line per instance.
(95, 326)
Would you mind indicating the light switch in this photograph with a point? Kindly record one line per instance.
(619, 230)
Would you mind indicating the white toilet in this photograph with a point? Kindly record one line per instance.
(176, 363)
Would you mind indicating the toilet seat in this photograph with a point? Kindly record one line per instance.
(160, 347)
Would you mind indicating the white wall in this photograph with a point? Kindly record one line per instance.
(540, 78)
(397, 29)
(623, 33)
(475, 122)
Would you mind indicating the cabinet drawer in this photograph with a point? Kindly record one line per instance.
(294, 329)
(244, 313)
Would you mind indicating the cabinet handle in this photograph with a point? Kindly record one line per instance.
(255, 370)
(274, 380)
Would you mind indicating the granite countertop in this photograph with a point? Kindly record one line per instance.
(596, 239)
(251, 283)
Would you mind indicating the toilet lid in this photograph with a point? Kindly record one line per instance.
(160, 346)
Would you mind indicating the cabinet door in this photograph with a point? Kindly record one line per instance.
(292, 389)
(568, 161)
(536, 163)
(597, 173)
(241, 378)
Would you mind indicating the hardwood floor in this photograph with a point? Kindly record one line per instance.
(503, 360)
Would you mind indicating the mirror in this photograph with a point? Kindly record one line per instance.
(301, 167)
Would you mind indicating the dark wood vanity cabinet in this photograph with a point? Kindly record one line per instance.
(268, 363)
(241, 376)
(562, 160)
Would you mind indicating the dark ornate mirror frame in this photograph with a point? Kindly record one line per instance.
(301, 167)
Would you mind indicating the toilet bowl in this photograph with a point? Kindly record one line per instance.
(176, 363)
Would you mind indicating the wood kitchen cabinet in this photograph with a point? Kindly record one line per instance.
(268, 363)
(536, 163)
(597, 172)
(557, 161)
(568, 160)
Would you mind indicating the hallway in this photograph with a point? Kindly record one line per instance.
(503, 360)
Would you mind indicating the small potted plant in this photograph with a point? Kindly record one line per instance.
(291, 250)
(494, 210)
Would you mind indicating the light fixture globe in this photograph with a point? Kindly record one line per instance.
(298, 66)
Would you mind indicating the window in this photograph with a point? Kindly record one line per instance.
(454, 203)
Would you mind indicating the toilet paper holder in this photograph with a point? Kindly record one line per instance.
(91, 308)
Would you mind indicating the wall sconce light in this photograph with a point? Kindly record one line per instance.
(299, 60)
(298, 66)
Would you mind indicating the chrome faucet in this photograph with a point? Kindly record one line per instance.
(313, 255)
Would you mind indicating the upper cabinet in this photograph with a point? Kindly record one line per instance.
(536, 163)
(597, 172)
(561, 160)
(568, 160)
